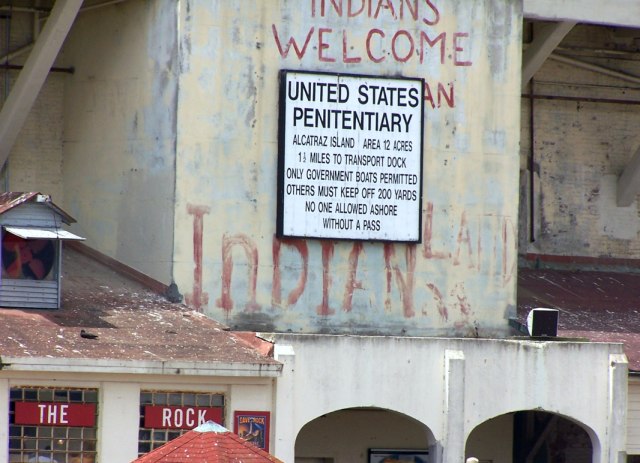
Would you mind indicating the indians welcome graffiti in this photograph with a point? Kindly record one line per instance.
(473, 249)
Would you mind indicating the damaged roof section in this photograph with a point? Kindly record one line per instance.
(600, 306)
(108, 320)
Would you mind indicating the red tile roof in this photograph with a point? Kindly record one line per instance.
(209, 443)
(131, 322)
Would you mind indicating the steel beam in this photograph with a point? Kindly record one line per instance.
(36, 68)
(544, 42)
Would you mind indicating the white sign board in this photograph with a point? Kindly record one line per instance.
(350, 157)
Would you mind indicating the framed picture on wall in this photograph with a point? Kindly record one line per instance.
(253, 427)
(398, 455)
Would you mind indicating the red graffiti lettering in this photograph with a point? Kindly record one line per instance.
(508, 271)
(284, 52)
(387, 6)
(368, 45)
(437, 295)
(458, 48)
(405, 282)
(373, 9)
(403, 44)
(436, 14)
(462, 302)
(352, 284)
(327, 254)
(448, 97)
(424, 37)
(197, 299)
(464, 238)
(345, 47)
(228, 242)
(276, 289)
(400, 275)
(322, 45)
(410, 46)
(427, 251)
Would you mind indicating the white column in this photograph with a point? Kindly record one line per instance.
(453, 446)
(618, 384)
(4, 411)
(284, 432)
(118, 422)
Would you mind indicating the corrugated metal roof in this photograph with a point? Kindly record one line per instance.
(601, 306)
(11, 199)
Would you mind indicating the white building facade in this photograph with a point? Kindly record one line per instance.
(168, 145)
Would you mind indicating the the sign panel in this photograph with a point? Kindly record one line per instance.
(253, 427)
(170, 417)
(55, 414)
(350, 157)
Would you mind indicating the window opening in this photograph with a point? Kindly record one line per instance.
(175, 413)
(52, 425)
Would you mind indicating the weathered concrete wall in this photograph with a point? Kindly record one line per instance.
(461, 278)
(584, 126)
(119, 132)
(453, 386)
(35, 162)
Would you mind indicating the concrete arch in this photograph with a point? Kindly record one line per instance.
(532, 436)
(346, 435)
(313, 411)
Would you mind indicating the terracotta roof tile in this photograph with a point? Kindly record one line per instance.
(210, 447)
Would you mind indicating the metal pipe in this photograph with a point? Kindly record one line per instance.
(17, 67)
(22, 9)
(100, 5)
(18, 52)
(28, 48)
(595, 68)
(532, 176)
(581, 99)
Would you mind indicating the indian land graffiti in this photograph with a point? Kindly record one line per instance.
(418, 37)
(475, 250)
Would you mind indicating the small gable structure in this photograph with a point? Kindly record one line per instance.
(31, 228)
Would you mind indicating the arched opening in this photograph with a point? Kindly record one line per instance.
(530, 436)
(371, 435)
